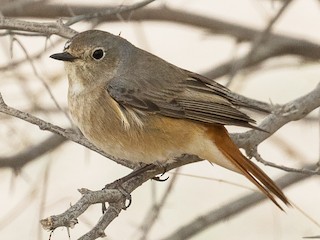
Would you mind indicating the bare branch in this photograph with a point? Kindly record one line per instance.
(108, 11)
(59, 28)
(17, 161)
(67, 133)
(155, 210)
(275, 45)
(230, 209)
(68, 218)
(48, 29)
(34, 57)
(46, 86)
(257, 156)
(217, 26)
(114, 197)
(249, 140)
(292, 111)
(258, 41)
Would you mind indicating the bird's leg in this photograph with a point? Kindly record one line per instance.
(137, 171)
(117, 184)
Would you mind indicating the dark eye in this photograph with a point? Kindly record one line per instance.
(98, 54)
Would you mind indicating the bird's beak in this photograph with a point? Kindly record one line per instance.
(64, 56)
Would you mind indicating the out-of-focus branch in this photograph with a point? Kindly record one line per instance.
(273, 46)
(66, 133)
(60, 28)
(259, 40)
(108, 11)
(17, 161)
(230, 209)
(292, 111)
(249, 140)
(154, 212)
(36, 56)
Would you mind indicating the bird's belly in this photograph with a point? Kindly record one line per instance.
(150, 143)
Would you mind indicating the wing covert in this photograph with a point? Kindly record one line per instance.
(188, 99)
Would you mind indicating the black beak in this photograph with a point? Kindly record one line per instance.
(64, 56)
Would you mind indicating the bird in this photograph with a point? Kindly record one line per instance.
(136, 106)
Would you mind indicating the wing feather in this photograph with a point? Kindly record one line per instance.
(191, 97)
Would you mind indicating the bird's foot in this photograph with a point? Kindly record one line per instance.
(118, 185)
(158, 178)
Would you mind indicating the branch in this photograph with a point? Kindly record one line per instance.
(249, 140)
(292, 111)
(217, 26)
(258, 42)
(116, 205)
(154, 212)
(68, 218)
(275, 45)
(257, 156)
(66, 133)
(300, 110)
(108, 11)
(17, 161)
(57, 28)
(231, 209)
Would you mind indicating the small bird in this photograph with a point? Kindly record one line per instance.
(136, 106)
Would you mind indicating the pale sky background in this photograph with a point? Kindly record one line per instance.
(72, 166)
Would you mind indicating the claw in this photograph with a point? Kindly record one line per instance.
(129, 203)
(127, 196)
(158, 179)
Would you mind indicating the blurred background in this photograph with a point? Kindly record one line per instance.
(47, 185)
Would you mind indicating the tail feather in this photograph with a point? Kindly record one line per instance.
(245, 166)
(260, 179)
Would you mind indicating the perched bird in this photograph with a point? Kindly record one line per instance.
(136, 106)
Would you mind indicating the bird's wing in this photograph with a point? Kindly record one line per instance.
(189, 98)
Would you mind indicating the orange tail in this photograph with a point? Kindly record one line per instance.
(224, 143)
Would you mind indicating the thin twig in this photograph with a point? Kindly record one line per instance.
(155, 210)
(34, 57)
(257, 156)
(107, 12)
(67, 133)
(257, 42)
(291, 111)
(46, 86)
(277, 44)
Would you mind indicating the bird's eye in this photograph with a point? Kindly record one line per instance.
(98, 54)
